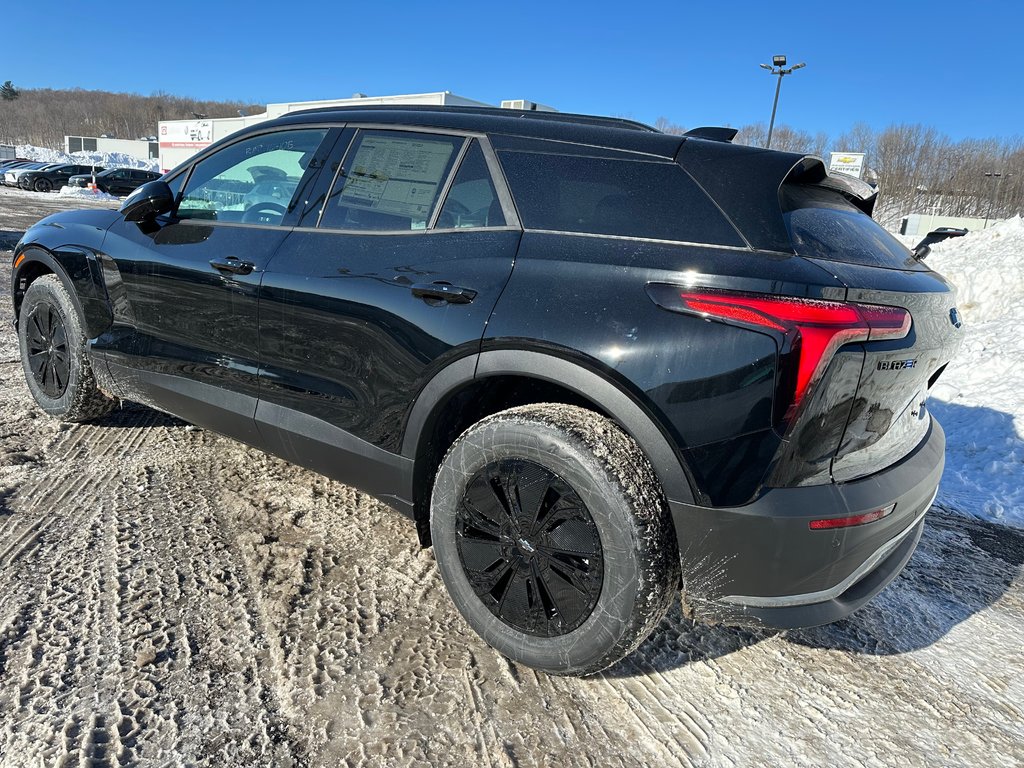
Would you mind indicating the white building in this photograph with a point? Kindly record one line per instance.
(180, 139)
(142, 149)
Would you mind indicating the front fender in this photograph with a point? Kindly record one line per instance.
(68, 245)
(77, 267)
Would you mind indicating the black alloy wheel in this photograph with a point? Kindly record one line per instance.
(43, 185)
(553, 537)
(529, 548)
(52, 346)
(49, 357)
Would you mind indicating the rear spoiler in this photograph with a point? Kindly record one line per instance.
(713, 134)
(811, 170)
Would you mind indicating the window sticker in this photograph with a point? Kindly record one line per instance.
(398, 176)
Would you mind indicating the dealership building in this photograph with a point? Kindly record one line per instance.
(180, 139)
(141, 149)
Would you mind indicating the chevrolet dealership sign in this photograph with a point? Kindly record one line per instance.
(850, 163)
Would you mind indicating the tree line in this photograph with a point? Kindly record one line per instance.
(44, 116)
(917, 169)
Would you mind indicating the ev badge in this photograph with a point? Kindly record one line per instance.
(954, 318)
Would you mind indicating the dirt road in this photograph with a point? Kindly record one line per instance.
(169, 597)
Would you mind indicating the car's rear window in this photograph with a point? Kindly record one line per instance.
(824, 225)
(631, 198)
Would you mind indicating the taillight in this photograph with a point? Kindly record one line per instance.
(809, 330)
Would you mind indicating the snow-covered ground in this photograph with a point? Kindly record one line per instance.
(104, 159)
(81, 193)
(980, 398)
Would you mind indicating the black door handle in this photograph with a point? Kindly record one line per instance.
(453, 294)
(233, 265)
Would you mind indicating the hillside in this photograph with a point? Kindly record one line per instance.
(45, 116)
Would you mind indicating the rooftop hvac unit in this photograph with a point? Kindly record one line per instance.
(526, 105)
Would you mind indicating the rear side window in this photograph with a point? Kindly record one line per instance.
(390, 181)
(472, 200)
(824, 225)
(631, 198)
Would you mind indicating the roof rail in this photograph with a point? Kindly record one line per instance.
(556, 117)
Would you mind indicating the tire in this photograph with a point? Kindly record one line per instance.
(42, 185)
(598, 515)
(53, 354)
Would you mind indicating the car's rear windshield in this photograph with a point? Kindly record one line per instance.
(606, 196)
(824, 225)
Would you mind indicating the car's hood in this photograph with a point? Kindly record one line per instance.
(59, 228)
(18, 171)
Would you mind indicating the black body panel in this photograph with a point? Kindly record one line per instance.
(710, 386)
(345, 338)
(177, 318)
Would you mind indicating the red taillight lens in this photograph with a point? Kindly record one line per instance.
(812, 329)
(829, 523)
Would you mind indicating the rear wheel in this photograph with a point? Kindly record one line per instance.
(553, 537)
(52, 345)
(43, 185)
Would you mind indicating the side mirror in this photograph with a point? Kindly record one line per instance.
(149, 200)
(923, 248)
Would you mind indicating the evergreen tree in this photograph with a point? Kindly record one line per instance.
(8, 92)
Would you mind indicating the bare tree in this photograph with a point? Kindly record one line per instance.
(665, 125)
(45, 116)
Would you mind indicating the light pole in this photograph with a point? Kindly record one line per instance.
(778, 67)
(999, 182)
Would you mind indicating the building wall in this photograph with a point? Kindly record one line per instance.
(143, 150)
(923, 223)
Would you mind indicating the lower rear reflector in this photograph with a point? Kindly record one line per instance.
(849, 522)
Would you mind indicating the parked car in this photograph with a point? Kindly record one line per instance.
(54, 177)
(596, 364)
(115, 181)
(11, 175)
(15, 163)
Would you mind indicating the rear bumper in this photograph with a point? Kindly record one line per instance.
(761, 564)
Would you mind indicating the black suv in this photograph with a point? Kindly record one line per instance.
(53, 177)
(115, 181)
(597, 365)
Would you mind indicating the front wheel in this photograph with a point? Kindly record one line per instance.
(52, 345)
(553, 537)
(43, 185)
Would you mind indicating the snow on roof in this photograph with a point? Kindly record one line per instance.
(979, 399)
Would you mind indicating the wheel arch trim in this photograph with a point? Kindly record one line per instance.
(571, 375)
(84, 286)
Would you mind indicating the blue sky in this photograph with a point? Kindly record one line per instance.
(951, 65)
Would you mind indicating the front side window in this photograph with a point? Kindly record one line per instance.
(390, 181)
(251, 181)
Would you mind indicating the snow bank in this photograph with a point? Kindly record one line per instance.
(980, 398)
(82, 193)
(105, 159)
